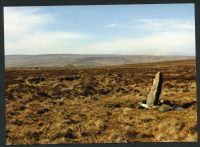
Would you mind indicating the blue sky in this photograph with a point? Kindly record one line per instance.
(111, 29)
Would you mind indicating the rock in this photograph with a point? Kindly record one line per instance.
(165, 107)
(144, 105)
(141, 105)
(153, 96)
(155, 107)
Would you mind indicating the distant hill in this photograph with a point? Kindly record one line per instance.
(80, 60)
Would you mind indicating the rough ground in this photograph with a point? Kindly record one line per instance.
(98, 105)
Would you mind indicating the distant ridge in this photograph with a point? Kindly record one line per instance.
(82, 60)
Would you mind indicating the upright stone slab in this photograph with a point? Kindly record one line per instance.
(153, 96)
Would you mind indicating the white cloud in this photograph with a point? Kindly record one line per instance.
(21, 21)
(113, 25)
(167, 37)
(155, 24)
(165, 24)
(44, 43)
(25, 33)
(163, 43)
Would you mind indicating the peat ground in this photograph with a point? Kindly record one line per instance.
(99, 105)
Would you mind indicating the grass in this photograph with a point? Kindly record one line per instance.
(99, 105)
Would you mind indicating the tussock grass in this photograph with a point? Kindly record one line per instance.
(99, 105)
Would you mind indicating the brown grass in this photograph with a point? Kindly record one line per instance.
(99, 105)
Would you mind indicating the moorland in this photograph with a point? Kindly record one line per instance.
(99, 104)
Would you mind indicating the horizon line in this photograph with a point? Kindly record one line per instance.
(94, 54)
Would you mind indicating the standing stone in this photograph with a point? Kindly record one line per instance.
(153, 96)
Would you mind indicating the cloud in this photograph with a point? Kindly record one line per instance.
(162, 37)
(44, 43)
(155, 24)
(23, 21)
(165, 24)
(163, 43)
(26, 33)
(113, 25)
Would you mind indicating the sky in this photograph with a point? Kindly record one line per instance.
(156, 29)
